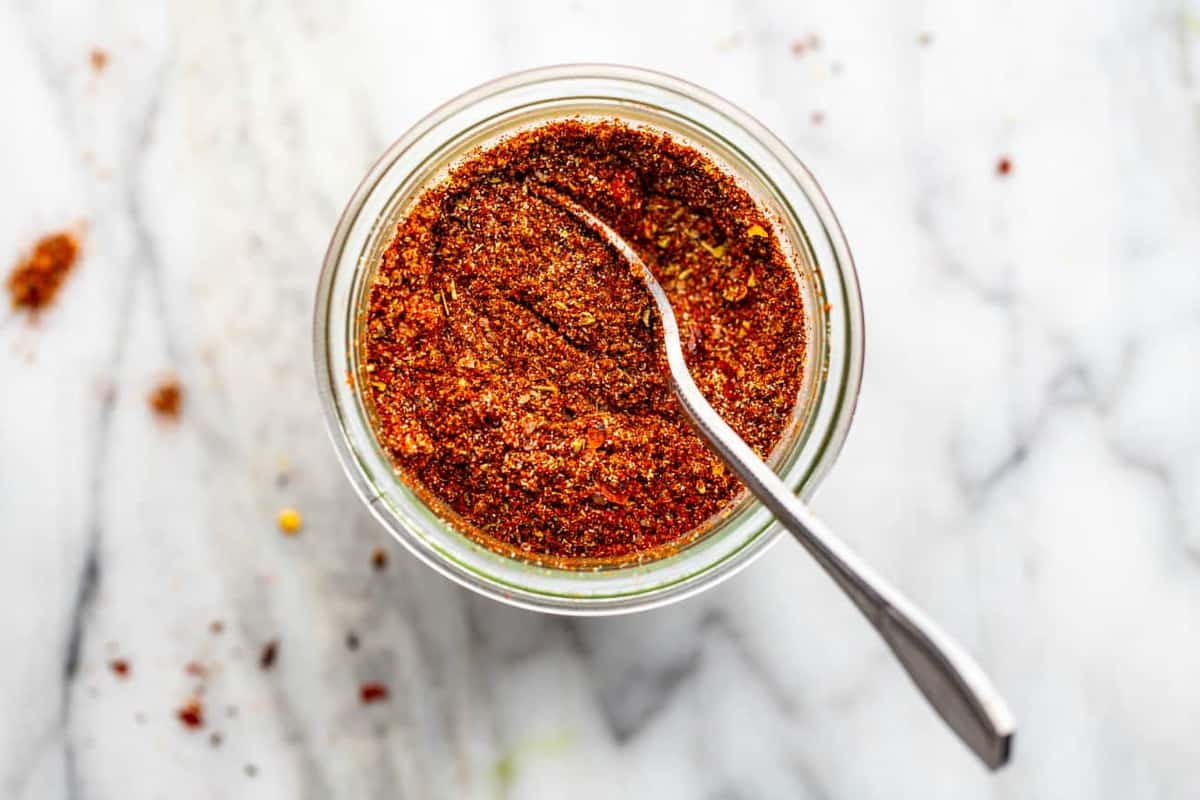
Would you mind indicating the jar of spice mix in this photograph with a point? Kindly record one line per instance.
(803, 223)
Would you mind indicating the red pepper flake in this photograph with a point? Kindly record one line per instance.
(818, 117)
(595, 436)
(196, 669)
(120, 667)
(798, 48)
(192, 714)
(372, 693)
(166, 400)
(379, 559)
(34, 283)
(98, 59)
(270, 650)
(1003, 166)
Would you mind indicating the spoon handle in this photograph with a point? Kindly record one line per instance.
(951, 681)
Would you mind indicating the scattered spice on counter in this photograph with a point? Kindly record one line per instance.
(379, 559)
(98, 59)
(1003, 166)
(510, 361)
(191, 714)
(196, 669)
(216, 627)
(924, 39)
(139, 717)
(35, 282)
(120, 667)
(818, 117)
(290, 521)
(231, 712)
(372, 693)
(352, 641)
(270, 651)
(216, 738)
(800, 46)
(166, 399)
(250, 770)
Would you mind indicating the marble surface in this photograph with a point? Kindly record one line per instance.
(1025, 461)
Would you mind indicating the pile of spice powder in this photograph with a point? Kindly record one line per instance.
(34, 283)
(512, 364)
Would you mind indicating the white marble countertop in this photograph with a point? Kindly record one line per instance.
(1025, 461)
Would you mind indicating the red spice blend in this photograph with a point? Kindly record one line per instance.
(191, 714)
(379, 559)
(372, 693)
(270, 651)
(513, 365)
(34, 283)
(166, 400)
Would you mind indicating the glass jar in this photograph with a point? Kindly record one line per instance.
(768, 170)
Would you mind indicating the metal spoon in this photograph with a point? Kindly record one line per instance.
(951, 681)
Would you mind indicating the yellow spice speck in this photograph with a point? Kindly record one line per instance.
(290, 521)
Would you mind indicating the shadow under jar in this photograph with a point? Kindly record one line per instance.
(801, 222)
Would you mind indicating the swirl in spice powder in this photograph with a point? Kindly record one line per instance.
(510, 359)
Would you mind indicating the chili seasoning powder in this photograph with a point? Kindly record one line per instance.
(512, 365)
(34, 283)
